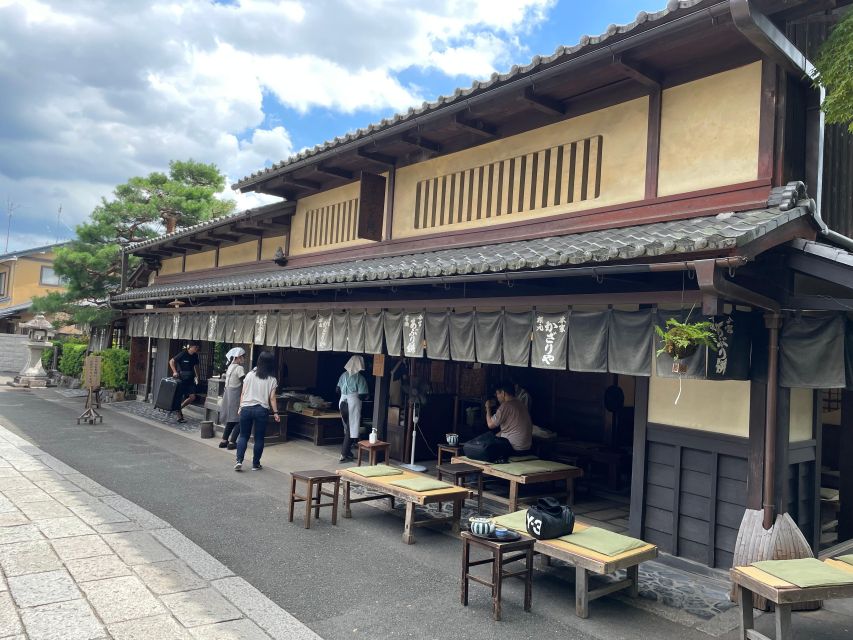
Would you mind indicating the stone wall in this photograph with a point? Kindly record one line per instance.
(13, 352)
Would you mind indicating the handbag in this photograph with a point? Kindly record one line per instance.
(549, 519)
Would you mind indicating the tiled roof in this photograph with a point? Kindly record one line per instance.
(206, 225)
(715, 233)
(28, 252)
(517, 72)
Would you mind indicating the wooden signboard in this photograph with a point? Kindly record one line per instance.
(379, 365)
(137, 365)
(92, 372)
(371, 206)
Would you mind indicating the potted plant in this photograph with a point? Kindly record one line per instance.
(681, 339)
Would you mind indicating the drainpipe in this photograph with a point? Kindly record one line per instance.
(759, 30)
(772, 321)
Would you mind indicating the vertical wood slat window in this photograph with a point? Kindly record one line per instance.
(559, 175)
(332, 224)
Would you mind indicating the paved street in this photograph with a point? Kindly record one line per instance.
(127, 524)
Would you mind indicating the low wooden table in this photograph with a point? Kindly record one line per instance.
(752, 581)
(460, 472)
(321, 429)
(447, 449)
(588, 562)
(500, 552)
(383, 489)
(314, 480)
(567, 475)
(371, 449)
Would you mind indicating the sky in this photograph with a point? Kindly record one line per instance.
(93, 92)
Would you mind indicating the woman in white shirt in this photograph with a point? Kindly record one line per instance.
(234, 375)
(256, 400)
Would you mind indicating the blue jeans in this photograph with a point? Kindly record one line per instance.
(248, 415)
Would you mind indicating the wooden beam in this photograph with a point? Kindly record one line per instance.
(343, 174)
(647, 77)
(378, 158)
(301, 183)
(250, 231)
(208, 242)
(545, 104)
(423, 143)
(223, 236)
(653, 143)
(476, 126)
(186, 244)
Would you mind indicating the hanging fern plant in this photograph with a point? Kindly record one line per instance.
(682, 339)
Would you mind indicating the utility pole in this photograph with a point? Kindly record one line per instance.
(58, 222)
(11, 207)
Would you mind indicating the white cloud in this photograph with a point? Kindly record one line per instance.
(96, 91)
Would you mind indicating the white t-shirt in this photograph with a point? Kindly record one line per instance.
(257, 391)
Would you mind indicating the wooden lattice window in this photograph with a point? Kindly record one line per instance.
(558, 175)
(831, 400)
(332, 224)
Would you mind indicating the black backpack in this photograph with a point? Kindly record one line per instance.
(549, 519)
(487, 447)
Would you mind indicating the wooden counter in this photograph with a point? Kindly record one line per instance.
(322, 429)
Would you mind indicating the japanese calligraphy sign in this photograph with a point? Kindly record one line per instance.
(92, 367)
(550, 331)
(211, 327)
(260, 328)
(413, 334)
(731, 359)
(324, 331)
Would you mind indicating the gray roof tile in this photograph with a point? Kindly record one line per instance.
(713, 233)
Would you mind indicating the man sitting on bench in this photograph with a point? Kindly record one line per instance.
(512, 419)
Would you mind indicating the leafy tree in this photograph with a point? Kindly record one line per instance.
(835, 72)
(139, 210)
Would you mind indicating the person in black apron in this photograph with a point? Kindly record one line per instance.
(184, 368)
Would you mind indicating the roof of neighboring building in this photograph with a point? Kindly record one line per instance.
(10, 311)
(713, 233)
(614, 32)
(28, 252)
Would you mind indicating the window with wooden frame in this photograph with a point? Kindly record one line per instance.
(332, 224)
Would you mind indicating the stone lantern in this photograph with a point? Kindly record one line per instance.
(38, 331)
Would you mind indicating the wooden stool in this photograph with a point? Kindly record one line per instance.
(315, 479)
(500, 556)
(372, 448)
(446, 448)
(460, 471)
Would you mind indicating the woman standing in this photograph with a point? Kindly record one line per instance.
(256, 400)
(234, 375)
(353, 389)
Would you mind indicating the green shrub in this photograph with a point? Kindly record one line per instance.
(114, 369)
(47, 357)
(71, 360)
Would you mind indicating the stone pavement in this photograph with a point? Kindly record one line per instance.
(79, 562)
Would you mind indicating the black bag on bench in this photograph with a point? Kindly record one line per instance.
(549, 519)
(487, 447)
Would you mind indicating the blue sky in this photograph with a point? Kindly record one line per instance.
(90, 98)
(566, 22)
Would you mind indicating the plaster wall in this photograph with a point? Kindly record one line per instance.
(203, 260)
(705, 405)
(801, 415)
(318, 201)
(238, 253)
(171, 265)
(25, 279)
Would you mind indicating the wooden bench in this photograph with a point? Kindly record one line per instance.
(383, 488)
(567, 475)
(587, 562)
(751, 581)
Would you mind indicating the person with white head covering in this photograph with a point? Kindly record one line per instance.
(352, 387)
(231, 397)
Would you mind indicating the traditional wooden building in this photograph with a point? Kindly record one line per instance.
(538, 226)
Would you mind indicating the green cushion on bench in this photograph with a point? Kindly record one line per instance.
(421, 484)
(522, 458)
(805, 572)
(847, 559)
(530, 467)
(375, 471)
(603, 541)
(517, 521)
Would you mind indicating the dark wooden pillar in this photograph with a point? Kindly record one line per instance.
(757, 426)
(638, 467)
(783, 431)
(380, 398)
(845, 455)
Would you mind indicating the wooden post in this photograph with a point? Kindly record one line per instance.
(845, 515)
(380, 400)
(123, 284)
(638, 466)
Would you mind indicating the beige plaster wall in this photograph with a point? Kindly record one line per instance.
(624, 131)
(171, 265)
(709, 131)
(706, 405)
(269, 245)
(238, 253)
(203, 260)
(317, 201)
(801, 416)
